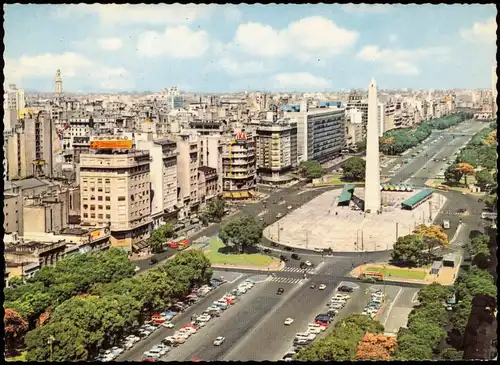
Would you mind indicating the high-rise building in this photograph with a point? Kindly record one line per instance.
(188, 161)
(13, 102)
(115, 190)
(238, 165)
(372, 174)
(320, 131)
(163, 176)
(59, 85)
(276, 151)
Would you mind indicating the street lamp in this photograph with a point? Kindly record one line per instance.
(50, 341)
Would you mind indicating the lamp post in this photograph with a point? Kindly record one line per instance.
(50, 341)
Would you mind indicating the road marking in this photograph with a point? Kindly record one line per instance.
(230, 282)
(456, 233)
(414, 299)
(317, 267)
(302, 192)
(262, 213)
(392, 304)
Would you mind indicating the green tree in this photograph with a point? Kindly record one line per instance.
(409, 250)
(68, 342)
(479, 244)
(491, 201)
(160, 236)
(214, 211)
(452, 174)
(354, 169)
(241, 232)
(432, 312)
(461, 315)
(434, 292)
(311, 169)
(361, 146)
(451, 354)
(412, 347)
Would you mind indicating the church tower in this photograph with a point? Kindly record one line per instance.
(59, 88)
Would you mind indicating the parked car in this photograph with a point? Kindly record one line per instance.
(295, 256)
(322, 287)
(345, 288)
(288, 321)
(280, 291)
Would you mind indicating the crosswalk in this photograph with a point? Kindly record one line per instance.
(278, 279)
(297, 269)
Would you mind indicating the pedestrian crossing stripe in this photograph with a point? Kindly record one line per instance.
(284, 280)
(297, 269)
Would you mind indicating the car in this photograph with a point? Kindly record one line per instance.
(284, 258)
(288, 321)
(288, 248)
(322, 287)
(280, 291)
(116, 350)
(266, 250)
(204, 318)
(313, 286)
(132, 338)
(319, 250)
(314, 330)
(345, 288)
(322, 323)
(464, 193)
(295, 256)
(219, 341)
(167, 324)
(308, 263)
(279, 215)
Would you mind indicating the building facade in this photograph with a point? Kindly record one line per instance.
(238, 165)
(276, 151)
(115, 189)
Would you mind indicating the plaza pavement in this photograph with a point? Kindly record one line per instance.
(322, 224)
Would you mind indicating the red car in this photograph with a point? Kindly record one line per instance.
(324, 324)
(173, 245)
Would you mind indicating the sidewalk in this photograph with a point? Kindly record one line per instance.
(446, 276)
(275, 266)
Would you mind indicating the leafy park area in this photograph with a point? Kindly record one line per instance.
(218, 254)
(87, 302)
(478, 160)
(432, 332)
(397, 141)
(311, 169)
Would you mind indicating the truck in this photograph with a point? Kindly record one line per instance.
(446, 224)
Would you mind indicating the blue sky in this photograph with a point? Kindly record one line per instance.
(215, 48)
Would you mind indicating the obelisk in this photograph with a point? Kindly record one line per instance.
(372, 174)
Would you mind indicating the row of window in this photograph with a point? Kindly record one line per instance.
(99, 216)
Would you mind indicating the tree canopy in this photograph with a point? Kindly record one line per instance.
(81, 326)
(241, 233)
(15, 327)
(160, 236)
(484, 179)
(311, 169)
(214, 211)
(408, 250)
(342, 343)
(354, 169)
(376, 347)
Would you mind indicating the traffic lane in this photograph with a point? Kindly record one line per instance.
(232, 324)
(396, 315)
(135, 353)
(271, 337)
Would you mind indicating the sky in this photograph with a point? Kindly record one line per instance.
(230, 48)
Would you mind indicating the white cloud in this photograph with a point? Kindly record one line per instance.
(300, 81)
(72, 65)
(113, 14)
(393, 38)
(308, 39)
(366, 8)
(481, 32)
(398, 61)
(180, 42)
(110, 44)
(233, 67)
(232, 13)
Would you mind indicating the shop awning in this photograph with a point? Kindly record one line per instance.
(236, 195)
(227, 195)
(244, 194)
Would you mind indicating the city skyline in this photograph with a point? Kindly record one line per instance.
(236, 48)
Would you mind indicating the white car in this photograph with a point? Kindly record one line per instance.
(203, 318)
(322, 287)
(132, 338)
(288, 321)
(289, 207)
(168, 324)
(219, 341)
(308, 263)
(314, 330)
(319, 250)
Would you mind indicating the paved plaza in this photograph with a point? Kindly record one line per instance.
(321, 223)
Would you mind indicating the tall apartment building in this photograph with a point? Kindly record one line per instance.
(211, 155)
(238, 165)
(354, 127)
(30, 150)
(115, 189)
(276, 151)
(188, 161)
(163, 176)
(14, 100)
(320, 132)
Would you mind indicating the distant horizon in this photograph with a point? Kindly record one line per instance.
(229, 48)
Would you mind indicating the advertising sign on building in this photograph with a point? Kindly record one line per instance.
(111, 144)
(241, 138)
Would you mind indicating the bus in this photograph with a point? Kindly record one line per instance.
(376, 275)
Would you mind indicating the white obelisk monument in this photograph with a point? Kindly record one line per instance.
(372, 174)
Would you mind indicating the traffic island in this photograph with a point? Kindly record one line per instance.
(420, 275)
(225, 259)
